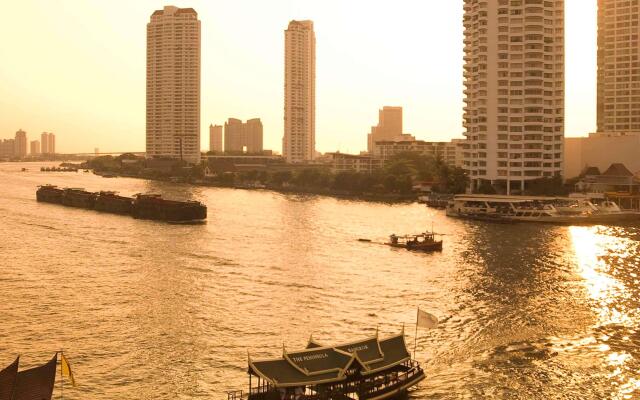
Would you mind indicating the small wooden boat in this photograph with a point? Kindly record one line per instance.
(425, 241)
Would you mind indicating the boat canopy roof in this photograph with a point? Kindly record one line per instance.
(508, 199)
(319, 364)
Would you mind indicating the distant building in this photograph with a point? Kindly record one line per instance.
(234, 163)
(215, 138)
(7, 148)
(299, 141)
(449, 152)
(341, 162)
(173, 84)
(44, 143)
(35, 147)
(513, 91)
(52, 143)
(618, 67)
(458, 159)
(47, 143)
(389, 128)
(242, 137)
(20, 144)
(601, 150)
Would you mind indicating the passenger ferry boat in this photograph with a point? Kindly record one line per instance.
(372, 369)
(560, 210)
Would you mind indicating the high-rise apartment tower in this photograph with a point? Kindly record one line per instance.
(21, 144)
(173, 84)
(215, 138)
(618, 66)
(514, 91)
(242, 137)
(299, 141)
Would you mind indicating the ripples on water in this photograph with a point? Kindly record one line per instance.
(148, 310)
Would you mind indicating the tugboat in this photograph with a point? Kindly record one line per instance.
(425, 241)
(370, 369)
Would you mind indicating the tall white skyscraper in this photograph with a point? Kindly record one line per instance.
(173, 84)
(299, 141)
(514, 91)
(618, 66)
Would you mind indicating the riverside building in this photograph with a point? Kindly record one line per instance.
(173, 84)
(618, 66)
(514, 91)
(299, 141)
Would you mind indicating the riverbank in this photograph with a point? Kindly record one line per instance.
(288, 189)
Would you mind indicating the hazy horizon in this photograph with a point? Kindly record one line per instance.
(78, 70)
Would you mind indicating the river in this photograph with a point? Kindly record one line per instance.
(149, 310)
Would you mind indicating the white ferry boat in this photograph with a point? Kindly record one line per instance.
(560, 210)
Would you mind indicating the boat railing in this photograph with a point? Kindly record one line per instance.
(391, 381)
(235, 395)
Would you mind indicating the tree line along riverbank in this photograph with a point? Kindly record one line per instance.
(399, 180)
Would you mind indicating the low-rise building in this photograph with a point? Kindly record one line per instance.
(449, 152)
(601, 150)
(341, 162)
(617, 178)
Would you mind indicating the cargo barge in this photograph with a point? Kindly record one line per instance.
(142, 206)
(152, 206)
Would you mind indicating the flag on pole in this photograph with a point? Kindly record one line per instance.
(426, 320)
(66, 369)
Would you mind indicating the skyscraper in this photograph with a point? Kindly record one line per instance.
(243, 137)
(618, 66)
(20, 144)
(215, 138)
(35, 147)
(173, 84)
(389, 127)
(52, 143)
(44, 143)
(299, 141)
(514, 91)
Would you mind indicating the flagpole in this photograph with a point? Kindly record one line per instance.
(61, 378)
(415, 337)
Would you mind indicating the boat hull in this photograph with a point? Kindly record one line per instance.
(425, 247)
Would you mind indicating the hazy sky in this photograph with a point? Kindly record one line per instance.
(77, 68)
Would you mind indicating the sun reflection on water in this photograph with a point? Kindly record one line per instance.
(597, 255)
(590, 245)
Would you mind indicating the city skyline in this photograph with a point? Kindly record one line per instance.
(354, 80)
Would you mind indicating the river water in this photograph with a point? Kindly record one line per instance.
(148, 310)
